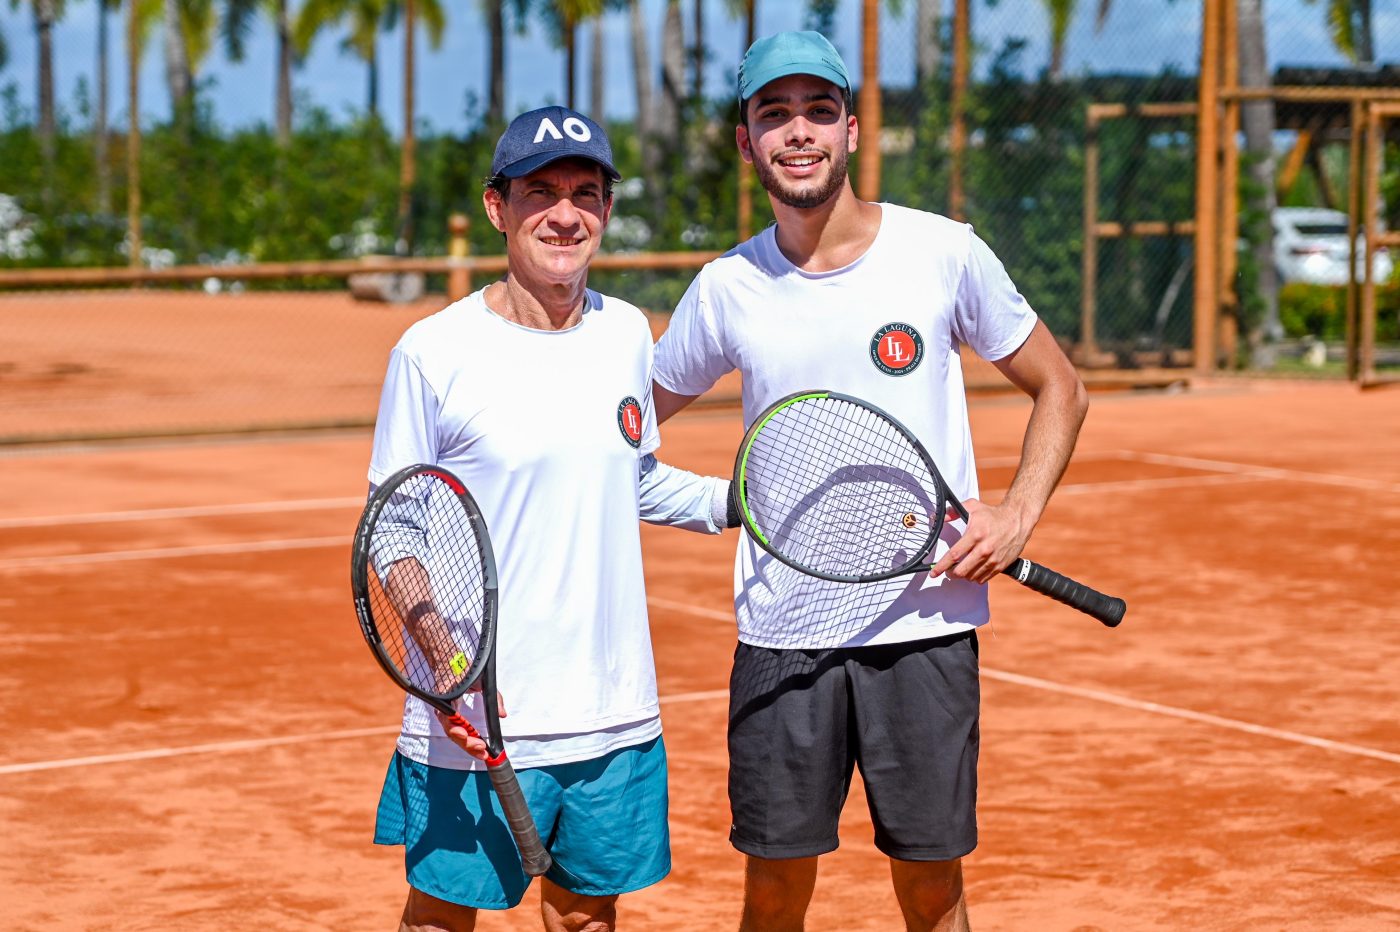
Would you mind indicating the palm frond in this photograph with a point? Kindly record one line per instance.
(236, 25)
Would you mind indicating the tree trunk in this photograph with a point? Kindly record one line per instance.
(44, 16)
(597, 81)
(177, 66)
(133, 136)
(496, 75)
(668, 110)
(641, 75)
(1258, 121)
(1365, 44)
(570, 65)
(372, 82)
(284, 74)
(928, 52)
(99, 125)
(697, 91)
(404, 246)
(1057, 58)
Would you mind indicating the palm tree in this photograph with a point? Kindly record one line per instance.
(566, 16)
(668, 107)
(99, 123)
(597, 81)
(1061, 12)
(46, 13)
(189, 38)
(237, 22)
(361, 19)
(436, 23)
(1257, 117)
(1350, 24)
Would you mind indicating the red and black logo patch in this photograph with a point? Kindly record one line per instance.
(629, 420)
(896, 349)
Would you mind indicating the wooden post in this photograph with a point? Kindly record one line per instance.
(459, 277)
(1206, 292)
(870, 115)
(133, 136)
(744, 224)
(957, 132)
(1088, 308)
(1356, 183)
(1227, 299)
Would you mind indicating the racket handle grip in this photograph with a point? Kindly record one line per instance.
(533, 855)
(1105, 608)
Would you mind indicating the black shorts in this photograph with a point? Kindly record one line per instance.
(800, 721)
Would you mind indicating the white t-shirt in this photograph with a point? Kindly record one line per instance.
(885, 328)
(546, 428)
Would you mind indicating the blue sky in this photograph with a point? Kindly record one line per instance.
(1140, 36)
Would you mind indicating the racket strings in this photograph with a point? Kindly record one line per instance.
(836, 488)
(428, 585)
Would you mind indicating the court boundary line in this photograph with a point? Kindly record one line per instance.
(257, 744)
(1232, 472)
(1005, 676)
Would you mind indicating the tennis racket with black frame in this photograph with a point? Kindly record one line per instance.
(424, 581)
(837, 488)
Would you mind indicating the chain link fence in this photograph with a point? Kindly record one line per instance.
(1070, 142)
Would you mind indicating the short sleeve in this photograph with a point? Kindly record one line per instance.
(405, 432)
(991, 315)
(690, 356)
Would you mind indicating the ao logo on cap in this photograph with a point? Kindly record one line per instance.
(629, 420)
(575, 128)
(896, 349)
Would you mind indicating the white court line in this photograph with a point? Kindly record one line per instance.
(163, 553)
(198, 511)
(1205, 718)
(1113, 699)
(255, 744)
(1262, 472)
(1243, 471)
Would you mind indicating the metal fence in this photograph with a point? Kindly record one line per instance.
(1073, 136)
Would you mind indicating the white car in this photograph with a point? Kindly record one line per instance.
(1310, 245)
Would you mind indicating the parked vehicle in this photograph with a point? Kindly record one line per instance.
(1310, 245)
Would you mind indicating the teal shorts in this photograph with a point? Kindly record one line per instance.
(603, 820)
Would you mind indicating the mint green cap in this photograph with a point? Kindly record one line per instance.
(785, 53)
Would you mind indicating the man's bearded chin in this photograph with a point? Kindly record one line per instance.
(804, 198)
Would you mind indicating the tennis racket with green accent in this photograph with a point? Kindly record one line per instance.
(840, 490)
(424, 580)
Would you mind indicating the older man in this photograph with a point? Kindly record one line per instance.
(536, 391)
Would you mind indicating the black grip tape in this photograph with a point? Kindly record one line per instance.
(533, 855)
(1105, 608)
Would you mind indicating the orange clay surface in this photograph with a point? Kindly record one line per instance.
(1227, 759)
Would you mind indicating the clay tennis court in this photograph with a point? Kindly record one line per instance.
(196, 734)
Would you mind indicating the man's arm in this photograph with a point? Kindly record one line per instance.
(668, 402)
(996, 534)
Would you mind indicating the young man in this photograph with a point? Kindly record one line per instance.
(873, 300)
(535, 391)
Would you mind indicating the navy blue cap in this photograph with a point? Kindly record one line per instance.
(787, 53)
(534, 139)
